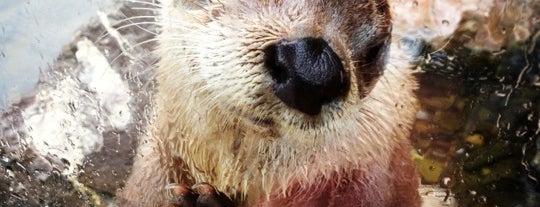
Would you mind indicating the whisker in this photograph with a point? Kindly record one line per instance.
(152, 3)
(137, 24)
(155, 10)
(444, 46)
(153, 40)
(136, 17)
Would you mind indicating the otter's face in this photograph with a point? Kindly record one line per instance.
(285, 64)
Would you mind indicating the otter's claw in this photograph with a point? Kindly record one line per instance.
(199, 195)
(181, 196)
(210, 197)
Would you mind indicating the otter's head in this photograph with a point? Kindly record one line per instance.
(285, 64)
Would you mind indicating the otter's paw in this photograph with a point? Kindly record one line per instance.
(199, 195)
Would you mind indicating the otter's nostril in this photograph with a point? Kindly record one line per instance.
(307, 73)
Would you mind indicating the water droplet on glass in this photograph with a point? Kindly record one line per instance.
(445, 22)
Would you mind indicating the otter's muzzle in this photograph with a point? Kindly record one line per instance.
(307, 73)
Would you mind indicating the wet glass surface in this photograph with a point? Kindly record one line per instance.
(477, 134)
(32, 33)
(479, 128)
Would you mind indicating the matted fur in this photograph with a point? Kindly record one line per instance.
(217, 119)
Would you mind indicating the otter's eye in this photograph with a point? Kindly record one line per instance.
(374, 53)
(372, 62)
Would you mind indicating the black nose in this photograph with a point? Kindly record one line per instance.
(307, 73)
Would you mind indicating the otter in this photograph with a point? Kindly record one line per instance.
(279, 103)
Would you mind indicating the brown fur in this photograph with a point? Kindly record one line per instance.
(217, 120)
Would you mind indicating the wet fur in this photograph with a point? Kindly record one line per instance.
(217, 120)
